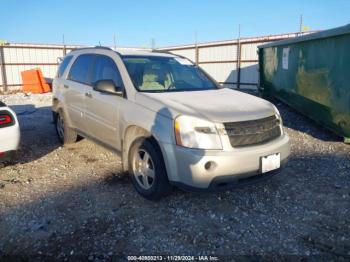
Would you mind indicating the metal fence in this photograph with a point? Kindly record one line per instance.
(233, 63)
(15, 58)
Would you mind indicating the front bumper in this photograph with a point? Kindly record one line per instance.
(233, 181)
(187, 167)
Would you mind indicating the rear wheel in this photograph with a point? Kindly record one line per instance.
(65, 134)
(147, 169)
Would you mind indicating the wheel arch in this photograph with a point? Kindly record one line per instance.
(59, 107)
(55, 109)
(55, 104)
(131, 134)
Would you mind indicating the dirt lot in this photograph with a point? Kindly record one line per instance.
(73, 202)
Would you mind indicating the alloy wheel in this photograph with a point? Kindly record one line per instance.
(143, 169)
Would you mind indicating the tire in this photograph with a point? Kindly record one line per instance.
(66, 135)
(146, 158)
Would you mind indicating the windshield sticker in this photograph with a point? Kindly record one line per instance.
(183, 61)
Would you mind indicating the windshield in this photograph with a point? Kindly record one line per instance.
(166, 74)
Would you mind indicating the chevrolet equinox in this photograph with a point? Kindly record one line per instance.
(170, 121)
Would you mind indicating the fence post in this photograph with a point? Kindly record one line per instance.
(3, 69)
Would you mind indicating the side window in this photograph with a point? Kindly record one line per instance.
(106, 69)
(79, 71)
(62, 67)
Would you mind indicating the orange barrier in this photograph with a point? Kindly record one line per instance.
(34, 82)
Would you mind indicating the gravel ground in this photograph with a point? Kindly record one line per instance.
(74, 203)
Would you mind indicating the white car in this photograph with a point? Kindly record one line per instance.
(9, 133)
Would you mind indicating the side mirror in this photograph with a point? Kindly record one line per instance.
(108, 87)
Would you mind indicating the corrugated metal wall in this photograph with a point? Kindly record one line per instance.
(189, 53)
(0, 78)
(20, 57)
(233, 63)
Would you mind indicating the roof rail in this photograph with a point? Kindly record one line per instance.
(91, 47)
(103, 47)
(161, 51)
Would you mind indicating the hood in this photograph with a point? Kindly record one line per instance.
(220, 105)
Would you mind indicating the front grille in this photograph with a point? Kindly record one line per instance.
(253, 132)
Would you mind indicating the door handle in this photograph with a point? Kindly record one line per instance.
(65, 86)
(88, 94)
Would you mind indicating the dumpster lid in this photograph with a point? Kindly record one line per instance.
(319, 35)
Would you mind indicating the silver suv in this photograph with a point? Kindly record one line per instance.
(171, 123)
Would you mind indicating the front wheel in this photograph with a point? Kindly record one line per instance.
(147, 169)
(65, 134)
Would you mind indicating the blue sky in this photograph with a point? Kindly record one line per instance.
(169, 22)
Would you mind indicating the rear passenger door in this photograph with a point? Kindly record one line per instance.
(102, 110)
(76, 87)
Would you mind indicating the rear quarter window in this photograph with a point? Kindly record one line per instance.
(62, 67)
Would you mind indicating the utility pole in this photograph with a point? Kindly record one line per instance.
(153, 43)
(64, 46)
(239, 31)
(301, 24)
(196, 47)
(114, 42)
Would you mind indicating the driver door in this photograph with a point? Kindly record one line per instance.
(102, 110)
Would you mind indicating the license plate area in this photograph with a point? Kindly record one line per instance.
(270, 162)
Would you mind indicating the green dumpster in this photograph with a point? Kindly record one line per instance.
(311, 73)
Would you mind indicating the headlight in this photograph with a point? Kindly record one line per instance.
(196, 133)
(278, 115)
(276, 111)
